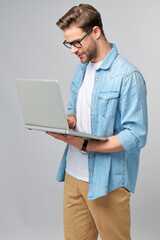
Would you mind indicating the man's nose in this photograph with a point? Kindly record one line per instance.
(74, 49)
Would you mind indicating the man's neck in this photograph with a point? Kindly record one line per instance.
(103, 48)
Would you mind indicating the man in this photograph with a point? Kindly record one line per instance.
(108, 98)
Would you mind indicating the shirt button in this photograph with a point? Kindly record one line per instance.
(90, 156)
(91, 174)
(96, 79)
(92, 117)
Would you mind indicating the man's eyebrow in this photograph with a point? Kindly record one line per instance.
(76, 40)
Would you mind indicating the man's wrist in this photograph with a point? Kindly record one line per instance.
(84, 146)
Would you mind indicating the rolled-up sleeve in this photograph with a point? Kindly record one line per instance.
(133, 112)
(73, 96)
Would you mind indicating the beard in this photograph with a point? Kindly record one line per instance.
(90, 53)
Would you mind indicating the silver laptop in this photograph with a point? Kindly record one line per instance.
(43, 108)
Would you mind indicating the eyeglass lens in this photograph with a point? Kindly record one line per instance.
(75, 44)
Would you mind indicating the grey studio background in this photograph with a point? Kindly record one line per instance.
(31, 199)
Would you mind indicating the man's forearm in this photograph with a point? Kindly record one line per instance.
(111, 144)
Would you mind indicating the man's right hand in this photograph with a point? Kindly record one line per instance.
(71, 119)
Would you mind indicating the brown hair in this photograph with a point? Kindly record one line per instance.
(84, 16)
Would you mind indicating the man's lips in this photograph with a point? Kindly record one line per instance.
(80, 55)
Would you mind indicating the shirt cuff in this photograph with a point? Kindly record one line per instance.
(127, 140)
(71, 111)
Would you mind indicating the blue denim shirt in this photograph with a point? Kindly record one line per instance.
(118, 107)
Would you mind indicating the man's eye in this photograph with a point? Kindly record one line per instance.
(75, 42)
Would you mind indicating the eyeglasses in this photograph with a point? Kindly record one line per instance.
(76, 44)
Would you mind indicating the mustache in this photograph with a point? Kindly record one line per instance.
(79, 53)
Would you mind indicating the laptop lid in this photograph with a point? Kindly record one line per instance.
(41, 103)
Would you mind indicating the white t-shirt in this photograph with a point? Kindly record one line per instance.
(77, 162)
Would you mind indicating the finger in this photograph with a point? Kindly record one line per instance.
(54, 134)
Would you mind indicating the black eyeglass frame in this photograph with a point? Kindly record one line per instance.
(74, 42)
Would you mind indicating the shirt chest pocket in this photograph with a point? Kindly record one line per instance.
(107, 103)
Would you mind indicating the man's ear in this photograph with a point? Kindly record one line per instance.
(97, 32)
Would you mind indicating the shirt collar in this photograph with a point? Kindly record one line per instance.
(107, 62)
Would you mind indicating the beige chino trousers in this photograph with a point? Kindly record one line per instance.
(108, 216)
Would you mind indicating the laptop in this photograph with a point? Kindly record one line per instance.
(43, 108)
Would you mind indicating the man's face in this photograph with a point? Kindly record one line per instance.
(88, 50)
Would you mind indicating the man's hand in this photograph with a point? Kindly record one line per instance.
(76, 142)
(71, 119)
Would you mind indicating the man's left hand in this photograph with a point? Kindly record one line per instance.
(76, 142)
